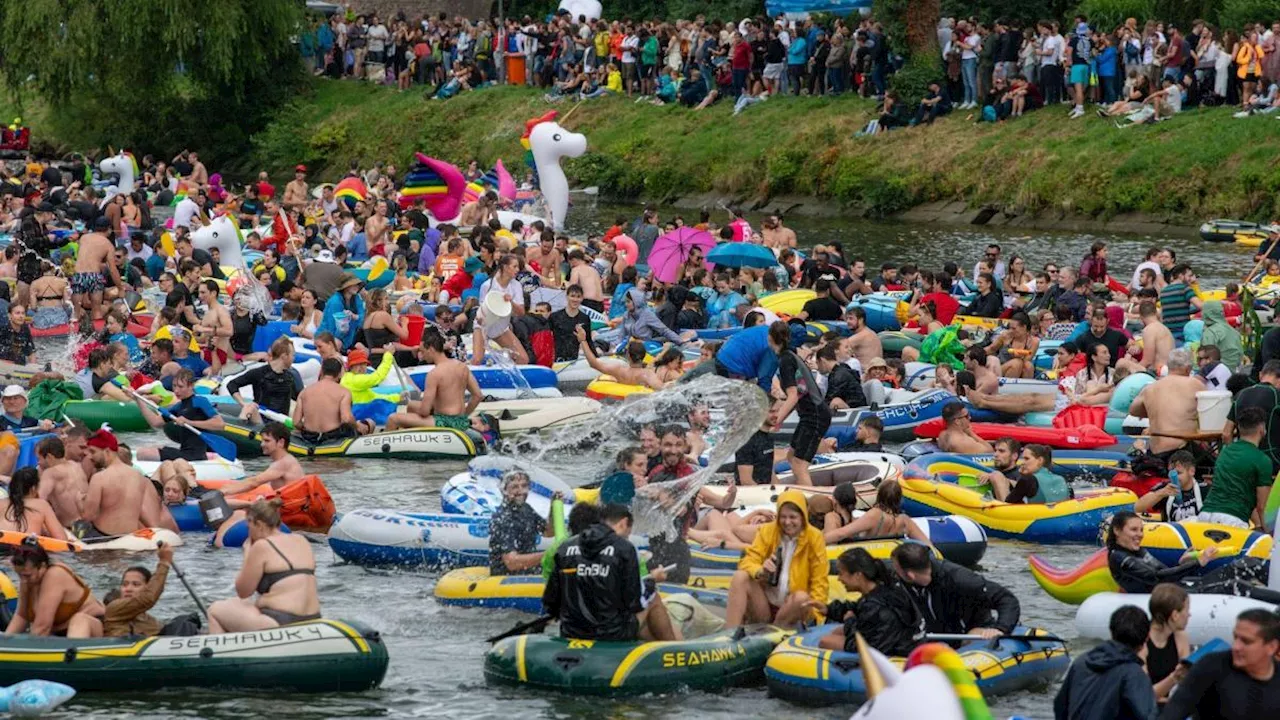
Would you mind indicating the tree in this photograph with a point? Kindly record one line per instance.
(145, 68)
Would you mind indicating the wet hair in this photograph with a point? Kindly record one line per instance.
(1166, 599)
(1251, 420)
(1118, 521)
(613, 512)
(625, 456)
(1130, 626)
(331, 367)
(22, 482)
(276, 431)
(858, 560)
(845, 495)
(780, 334)
(1267, 621)
(582, 516)
(51, 446)
(30, 552)
(164, 345)
(951, 411)
(889, 497)
(912, 556)
(1041, 451)
(636, 351)
(265, 511)
(185, 376)
(1182, 457)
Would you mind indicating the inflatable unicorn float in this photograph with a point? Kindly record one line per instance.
(125, 168)
(934, 683)
(443, 189)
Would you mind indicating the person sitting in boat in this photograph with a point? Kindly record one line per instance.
(885, 615)
(194, 411)
(884, 519)
(958, 435)
(631, 471)
(1097, 381)
(633, 372)
(176, 478)
(1107, 681)
(1033, 482)
(182, 356)
(1167, 642)
(582, 516)
(120, 499)
(52, 599)
(596, 589)
(284, 468)
(515, 528)
(361, 381)
(1182, 497)
(23, 510)
(443, 402)
(280, 568)
(344, 311)
(13, 401)
(114, 329)
(322, 414)
(1137, 571)
(140, 589)
(954, 599)
(783, 570)
(16, 343)
(275, 383)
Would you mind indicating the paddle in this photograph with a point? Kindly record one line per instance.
(590, 190)
(1262, 259)
(219, 445)
(183, 577)
(951, 637)
(536, 625)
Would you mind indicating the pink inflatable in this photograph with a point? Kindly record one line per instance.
(627, 248)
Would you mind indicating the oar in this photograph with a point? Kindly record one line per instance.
(219, 445)
(1262, 259)
(183, 577)
(589, 190)
(536, 625)
(961, 637)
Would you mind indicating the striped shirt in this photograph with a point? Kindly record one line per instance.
(1175, 307)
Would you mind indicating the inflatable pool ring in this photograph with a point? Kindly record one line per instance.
(606, 389)
(881, 311)
(166, 333)
(1114, 424)
(1212, 616)
(729, 658)
(1068, 521)
(1128, 389)
(973, 321)
(799, 670)
(1071, 464)
(627, 248)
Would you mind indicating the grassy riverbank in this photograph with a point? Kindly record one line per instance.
(1201, 164)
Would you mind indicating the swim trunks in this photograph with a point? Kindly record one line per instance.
(85, 283)
(183, 453)
(457, 422)
(343, 432)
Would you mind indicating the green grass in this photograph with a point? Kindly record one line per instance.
(1203, 163)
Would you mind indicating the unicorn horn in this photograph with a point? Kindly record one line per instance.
(571, 111)
(871, 676)
(110, 151)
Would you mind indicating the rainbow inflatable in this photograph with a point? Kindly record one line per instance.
(436, 183)
(350, 191)
(497, 179)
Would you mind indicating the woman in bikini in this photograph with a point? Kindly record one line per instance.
(50, 295)
(280, 568)
(52, 599)
(1016, 347)
(24, 511)
(309, 320)
(884, 519)
(380, 328)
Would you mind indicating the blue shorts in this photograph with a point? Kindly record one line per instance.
(1079, 74)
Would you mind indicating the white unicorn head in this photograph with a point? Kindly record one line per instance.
(591, 9)
(120, 165)
(224, 234)
(549, 142)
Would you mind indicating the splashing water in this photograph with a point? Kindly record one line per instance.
(584, 453)
(502, 360)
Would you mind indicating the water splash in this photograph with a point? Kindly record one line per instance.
(502, 360)
(584, 453)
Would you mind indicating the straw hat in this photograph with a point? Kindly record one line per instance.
(496, 306)
(349, 280)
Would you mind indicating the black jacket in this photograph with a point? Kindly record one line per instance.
(1108, 682)
(886, 618)
(271, 390)
(958, 600)
(595, 586)
(1140, 572)
(843, 382)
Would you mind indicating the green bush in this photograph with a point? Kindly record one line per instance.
(1106, 15)
(912, 81)
(1236, 13)
(1026, 11)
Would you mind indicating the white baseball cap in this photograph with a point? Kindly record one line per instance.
(13, 391)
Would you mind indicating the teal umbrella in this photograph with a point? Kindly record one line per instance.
(742, 254)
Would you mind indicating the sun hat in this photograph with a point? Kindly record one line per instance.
(349, 280)
(357, 357)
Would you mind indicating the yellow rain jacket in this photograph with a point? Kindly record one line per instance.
(361, 386)
(809, 565)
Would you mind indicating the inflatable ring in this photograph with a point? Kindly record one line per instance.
(627, 248)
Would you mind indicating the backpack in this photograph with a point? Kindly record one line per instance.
(1084, 48)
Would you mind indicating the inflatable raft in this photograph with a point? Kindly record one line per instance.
(498, 383)
(1245, 233)
(137, 541)
(121, 416)
(474, 587)
(1069, 521)
(800, 671)
(606, 389)
(1081, 438)
(390, 537)
(1212, 616)
(315, 656)
(1071, 464)
(212, 469)
(729, 658)
(535, 415)
(901, 416)
(431, 443)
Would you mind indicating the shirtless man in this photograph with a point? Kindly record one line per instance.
(443, 403)
(585, 276)
(214, 330)
(63, 483)
(775, 235)
(117, 501)
(295, 193)
(958, 436)
(976, 362)
(547, 258)
(93, 264)
(323, 410)
(377, 229)
(1170, 404)
(633, 373)
(284, 468)
(1157, 343)
(199, 173)
(479, 212)
(75, 442)
(862, 343)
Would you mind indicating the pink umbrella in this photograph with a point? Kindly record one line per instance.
(670, 251)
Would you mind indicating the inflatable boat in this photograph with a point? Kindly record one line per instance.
(431, 443)
(1071, 464)
(1212, 616)
(1081, 438)
(474, 587)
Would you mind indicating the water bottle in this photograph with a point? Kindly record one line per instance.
(776, 575)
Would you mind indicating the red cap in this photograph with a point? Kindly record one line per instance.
(300, 168)
(357, 357)
(104, 440)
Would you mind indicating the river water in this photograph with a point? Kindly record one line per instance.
(437, 653)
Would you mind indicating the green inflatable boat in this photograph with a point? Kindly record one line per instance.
(122, 417)
(315, 656)
(729, 658)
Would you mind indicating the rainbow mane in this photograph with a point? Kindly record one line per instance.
(438, 184)
(948, 661)
(549, 116)
(350, 191)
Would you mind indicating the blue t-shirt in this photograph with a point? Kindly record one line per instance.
(748, 355)
(798, 53)
(194, 363)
